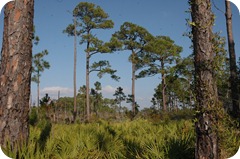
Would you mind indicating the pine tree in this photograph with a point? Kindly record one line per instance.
(15, 72)
(133, 38)
(232, 58)
(71, 30)
(97, 97)
(39, 65)
(89, 18)
(161, 53)
(205, 84)
(119, 96)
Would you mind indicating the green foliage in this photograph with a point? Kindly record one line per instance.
(119, 96)
(70, 30)
(45, 100)
(103, 67)
(179, 93)
(129, 99)
(133, 37)
(172, 139)
(92, 17)
(238, 72)
(35, 39)
(33, 117)
(96, 96)
(180, 148)
(89, 17)
(39, 65)
(221, 69)
(155, 116)
(228, 133)
(114, 44)
(220, 58)
(160, 54)
(102, 108)
(44, 134)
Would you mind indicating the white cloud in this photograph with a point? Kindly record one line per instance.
(108, 89)
(56, 89)
(53, 91)
(140, 99)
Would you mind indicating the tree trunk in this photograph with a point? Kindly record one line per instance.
(74, 71)
(38, 87)
(133, 84)
(175, 103)
(163, 88)
(15, 73)
(206, 91)
(38, 91)
(87, 84)
(233, 65)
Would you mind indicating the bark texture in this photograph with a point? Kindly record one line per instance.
(206, 91)
(233, 66)
(15, 73)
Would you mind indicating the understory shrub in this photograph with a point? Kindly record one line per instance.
(137, 139)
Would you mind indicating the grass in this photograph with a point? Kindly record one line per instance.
(137, 139)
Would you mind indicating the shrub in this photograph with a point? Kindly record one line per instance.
(137, 139)
(33, 117)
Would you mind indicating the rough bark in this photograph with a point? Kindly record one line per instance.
(232, 59)
(206, 91)
(15, 73)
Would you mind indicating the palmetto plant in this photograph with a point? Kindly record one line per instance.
(138, 139)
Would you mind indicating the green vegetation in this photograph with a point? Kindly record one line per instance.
(136, 139)
(39, 64)
(167, 136)
(195, 106)
(133, 38)
(92, 17)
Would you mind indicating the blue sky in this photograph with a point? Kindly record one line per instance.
(159, 17)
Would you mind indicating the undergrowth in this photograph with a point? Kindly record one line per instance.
(137, 139)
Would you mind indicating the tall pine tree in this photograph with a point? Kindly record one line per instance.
(89, 18)
(205, 84)
(15, 72)
(232, 58)
(134, 38)
(160, 54)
